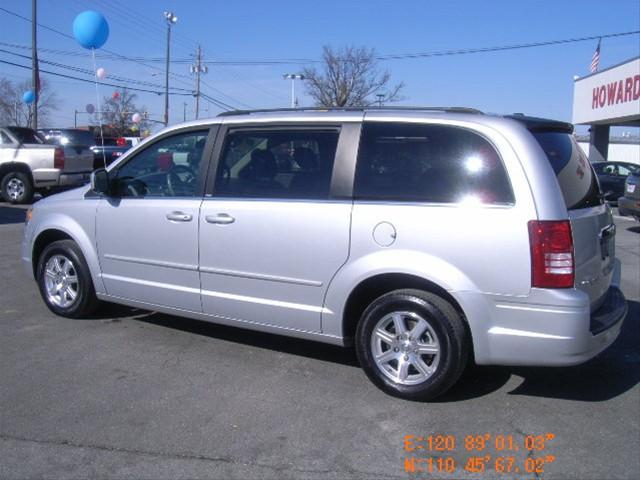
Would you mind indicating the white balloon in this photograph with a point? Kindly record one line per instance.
(101, 73)
(136, 117)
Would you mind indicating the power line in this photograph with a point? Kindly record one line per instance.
(173, 91)
(91, 73)
(392, 56)
(86, 80)
(220, 92)
(465, 51)
(119, 56)
(139, 19)
(218, 103)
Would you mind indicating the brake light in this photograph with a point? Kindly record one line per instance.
(58, 158)
(121, 142)
(552, 261)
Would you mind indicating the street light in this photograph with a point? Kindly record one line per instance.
(293, 77)
(171, 19)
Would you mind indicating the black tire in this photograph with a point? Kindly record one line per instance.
(85, 301)
(17, 187)
(444, 325)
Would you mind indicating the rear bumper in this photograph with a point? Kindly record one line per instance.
(74, 179)
(549, 328)
(629, 206)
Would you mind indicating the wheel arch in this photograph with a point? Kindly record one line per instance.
(43, 239)
(61, 227)
(373, 287)
(11, 167)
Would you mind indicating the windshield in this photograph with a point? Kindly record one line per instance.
(575, 175)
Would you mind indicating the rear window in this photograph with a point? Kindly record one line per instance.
(25, 135)
(79, 137)
(575, 175)
(70, 137)
(429, 163)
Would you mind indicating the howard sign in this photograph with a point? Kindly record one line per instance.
(610, 97)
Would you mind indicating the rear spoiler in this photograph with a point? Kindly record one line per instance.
(535, 124)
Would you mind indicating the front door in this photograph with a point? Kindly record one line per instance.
(147, 231)
(272, 235)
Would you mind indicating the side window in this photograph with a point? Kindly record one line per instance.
(623, 171)
(282, 163)
(167, 168)
(576, 178)
(4, 139)
(429, 163)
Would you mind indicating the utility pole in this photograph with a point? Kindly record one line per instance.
(198, 68)
(184, 111)
(34, 61)
(75, 119)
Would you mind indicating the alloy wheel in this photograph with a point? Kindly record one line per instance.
(405, 348)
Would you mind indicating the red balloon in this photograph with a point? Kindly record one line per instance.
(116, 95)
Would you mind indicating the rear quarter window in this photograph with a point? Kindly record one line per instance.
(429, 163)
(576, 178)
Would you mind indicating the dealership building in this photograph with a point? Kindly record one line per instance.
(605, 99)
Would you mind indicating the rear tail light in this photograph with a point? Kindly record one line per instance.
(552, 261)
(121, 141)
(58, 158)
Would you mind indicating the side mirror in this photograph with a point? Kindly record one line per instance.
(100, 181)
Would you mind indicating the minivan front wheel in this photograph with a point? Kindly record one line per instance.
(412, 344)
(64, 280)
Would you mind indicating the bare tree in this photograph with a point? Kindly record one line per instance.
(117, 112)
(13, 111)
(350, 77)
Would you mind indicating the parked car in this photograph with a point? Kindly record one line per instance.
(27, 165)
(612, 176)
(629, 204)
(113, 146)
(106, 151)
(424, 237)
(68, 136)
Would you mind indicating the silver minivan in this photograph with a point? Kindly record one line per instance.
(426, 237)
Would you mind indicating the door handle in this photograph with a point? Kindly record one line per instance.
(179, 217)
(220, 219)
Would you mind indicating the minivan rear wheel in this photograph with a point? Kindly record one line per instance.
(412, 344)
(65, 281)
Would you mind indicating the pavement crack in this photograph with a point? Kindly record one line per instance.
(197, 457)
(530, 455)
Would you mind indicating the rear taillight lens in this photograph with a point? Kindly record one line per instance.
(552, 262)
(58, 158)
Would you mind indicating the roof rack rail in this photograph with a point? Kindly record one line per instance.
(231, 113)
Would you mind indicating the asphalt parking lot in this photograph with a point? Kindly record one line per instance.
(131, 393)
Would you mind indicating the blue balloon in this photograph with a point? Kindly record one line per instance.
(28, 97)
(91, 29)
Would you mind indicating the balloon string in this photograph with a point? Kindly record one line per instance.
(104, 157)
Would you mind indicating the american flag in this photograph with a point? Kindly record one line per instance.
(595, 60)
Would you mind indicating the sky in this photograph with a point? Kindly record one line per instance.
(535, 81)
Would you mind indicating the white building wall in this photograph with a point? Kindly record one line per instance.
(620, 152)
